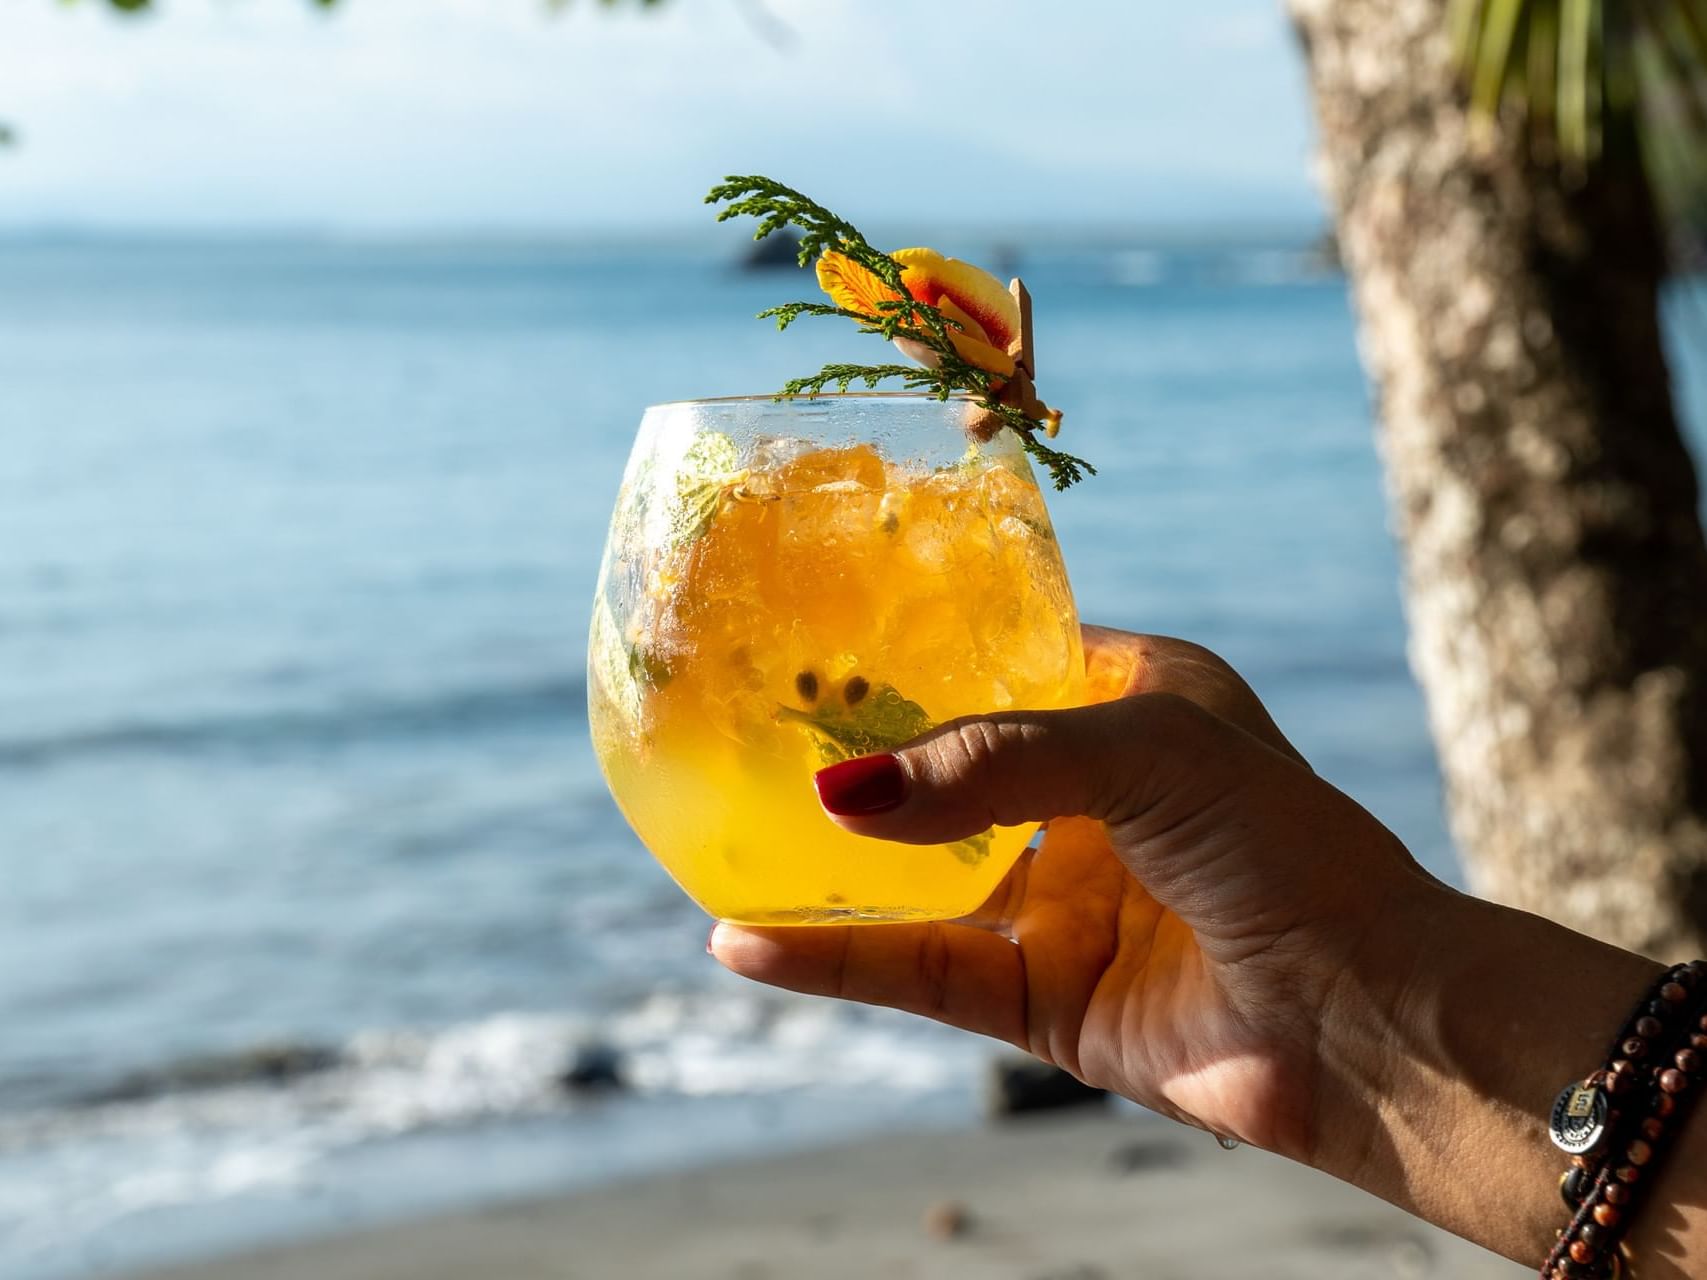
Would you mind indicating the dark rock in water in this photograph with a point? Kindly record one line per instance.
(1016, 1085)
(595, 1068)
(287, 1061)
(778, 251)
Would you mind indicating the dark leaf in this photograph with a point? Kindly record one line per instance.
(880, 721)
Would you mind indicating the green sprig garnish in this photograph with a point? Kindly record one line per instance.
(777, 207)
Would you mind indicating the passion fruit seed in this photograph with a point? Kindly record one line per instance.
(806, 685)
(855, 689)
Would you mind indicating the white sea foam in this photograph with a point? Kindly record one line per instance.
(196, 1145)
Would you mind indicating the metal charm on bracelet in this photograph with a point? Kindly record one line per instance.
(1578, 1121)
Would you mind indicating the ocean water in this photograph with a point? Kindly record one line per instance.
(309, 887)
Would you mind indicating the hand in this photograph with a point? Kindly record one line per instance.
(1180, 934)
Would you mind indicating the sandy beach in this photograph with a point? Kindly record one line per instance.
(1094, 1196)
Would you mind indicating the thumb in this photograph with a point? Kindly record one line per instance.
(1105, 761)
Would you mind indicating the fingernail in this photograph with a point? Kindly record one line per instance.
(859, 788)
(711, 941)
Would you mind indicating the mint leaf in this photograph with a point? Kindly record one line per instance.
(881, 721)
(709, 467)
(973, 849)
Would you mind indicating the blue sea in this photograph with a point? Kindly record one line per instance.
(309, 886)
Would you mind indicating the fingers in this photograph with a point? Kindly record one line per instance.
(963, 976)
(1007, 770)
(1119, 663)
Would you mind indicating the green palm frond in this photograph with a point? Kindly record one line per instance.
(1585, 76)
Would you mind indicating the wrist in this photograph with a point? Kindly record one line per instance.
(1442, 1051)
(1375, 1032)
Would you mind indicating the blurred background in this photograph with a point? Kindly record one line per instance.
(323, 338)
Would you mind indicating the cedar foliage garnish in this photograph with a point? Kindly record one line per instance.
(777, 207)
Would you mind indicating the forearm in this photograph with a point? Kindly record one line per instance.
(1440, 1070)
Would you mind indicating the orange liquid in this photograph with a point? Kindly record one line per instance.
(835, 604)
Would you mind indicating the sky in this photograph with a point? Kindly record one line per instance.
(429, 116)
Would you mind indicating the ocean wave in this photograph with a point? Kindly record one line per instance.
(274, 1064)
(391, 1081)
(1277, 266)
(554, 700)
(284, 1122)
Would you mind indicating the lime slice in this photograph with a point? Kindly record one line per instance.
(611, 667)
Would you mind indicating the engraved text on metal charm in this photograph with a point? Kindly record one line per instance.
(1578, 1122)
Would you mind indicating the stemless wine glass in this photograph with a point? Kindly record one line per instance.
(792, 583)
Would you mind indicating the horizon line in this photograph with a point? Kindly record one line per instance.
(1103, 231)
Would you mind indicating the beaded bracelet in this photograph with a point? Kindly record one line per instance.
(1587, 1114)
(1623, 1119)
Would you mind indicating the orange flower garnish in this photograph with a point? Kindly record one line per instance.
(971, 335)
(974, 299)
(851, 286)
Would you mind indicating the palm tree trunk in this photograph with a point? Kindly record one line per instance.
(1555, 569)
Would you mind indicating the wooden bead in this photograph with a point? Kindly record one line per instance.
(1686, 977)
(1634, 1048)
(1648, 1027)
(1620, 1081)
(1627, 1173)
(1663, 1104)
(1639, 1152)
(1701, 1023)
(1574, 1184)
(1673, 993)
(1652, 1128)
(1616, 1194)
(1606, 1215)
(1673, 1081)
(1589, 1234)
(1698, 1040)
(1688, 1060)
(1581, 1252)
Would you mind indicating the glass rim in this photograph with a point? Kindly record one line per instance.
(918, 397)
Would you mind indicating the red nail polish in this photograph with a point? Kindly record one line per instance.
(859, 788)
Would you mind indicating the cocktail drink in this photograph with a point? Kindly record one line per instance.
(792, 583)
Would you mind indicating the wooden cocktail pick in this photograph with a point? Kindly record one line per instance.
(1019, 391)
(1021, 348)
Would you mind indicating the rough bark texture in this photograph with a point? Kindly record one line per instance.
(1556, 577)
